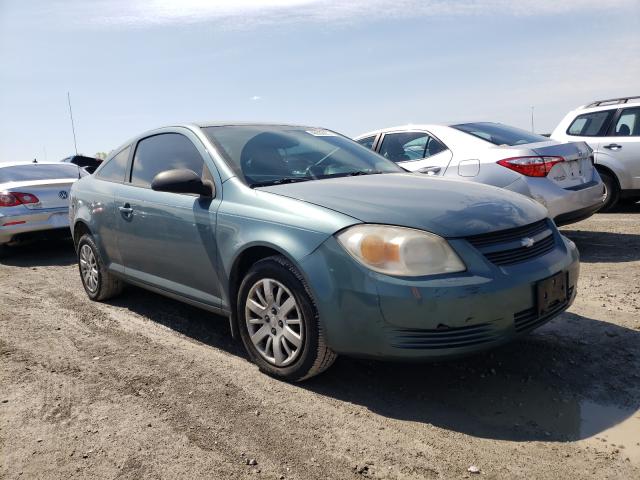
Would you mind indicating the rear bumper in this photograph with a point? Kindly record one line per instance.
(568, 205)
(34, 224)
(576, 215)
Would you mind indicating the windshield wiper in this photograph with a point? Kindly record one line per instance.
(281, 181)
(363, 172)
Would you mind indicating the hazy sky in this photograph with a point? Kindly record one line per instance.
(132, 65)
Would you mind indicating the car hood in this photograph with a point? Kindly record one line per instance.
(449, 208)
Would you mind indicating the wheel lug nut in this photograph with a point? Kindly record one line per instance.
(273, 330)
(274, 311)
(280, 323)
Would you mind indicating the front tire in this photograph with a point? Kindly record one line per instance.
(612, 191)
(97, 281)
(278, 322)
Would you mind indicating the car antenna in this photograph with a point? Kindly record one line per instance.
(35, 160)
(73, 128)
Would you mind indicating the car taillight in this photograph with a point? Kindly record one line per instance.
(17, 198)
(531, 166)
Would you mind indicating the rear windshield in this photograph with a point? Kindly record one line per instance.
(36, 171)
(499, 134)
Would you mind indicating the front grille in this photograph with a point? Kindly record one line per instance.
(528, 319)
(505, 247)
(413, 338)
(517, 255)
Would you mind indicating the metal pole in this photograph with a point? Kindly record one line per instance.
(532, 127)
(73, 128)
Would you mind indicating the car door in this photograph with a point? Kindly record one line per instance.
(165, 239)
(104, 212)
(416, 151)
(622, 143)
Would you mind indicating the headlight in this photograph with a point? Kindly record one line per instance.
(400, 251)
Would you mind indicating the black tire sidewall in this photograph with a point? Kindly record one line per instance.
(283, 271)
(612, 192)
(88, 240)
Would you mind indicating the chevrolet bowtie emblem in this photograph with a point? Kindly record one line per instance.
(527, 242)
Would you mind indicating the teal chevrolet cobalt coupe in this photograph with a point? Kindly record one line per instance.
(314, 246)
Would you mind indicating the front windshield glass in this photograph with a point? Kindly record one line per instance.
(271, 155)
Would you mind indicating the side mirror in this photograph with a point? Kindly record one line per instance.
(182, 181)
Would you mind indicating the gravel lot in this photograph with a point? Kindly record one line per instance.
(146, 387)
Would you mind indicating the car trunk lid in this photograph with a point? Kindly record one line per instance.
(577, 168)
(50, 193)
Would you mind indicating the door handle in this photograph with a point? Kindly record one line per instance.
(126, 210)
(430, 170)
(613, 146)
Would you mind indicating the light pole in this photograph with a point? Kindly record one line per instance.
(532, 127)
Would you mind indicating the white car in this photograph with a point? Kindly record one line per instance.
(34, 201)
(561, 176)
(612, 130)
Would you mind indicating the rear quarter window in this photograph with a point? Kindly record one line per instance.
(592, 124)
(114, 170)
(367, 142)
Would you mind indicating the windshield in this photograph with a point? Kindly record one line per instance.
(269, 155)
(37, 171)
(499, 134)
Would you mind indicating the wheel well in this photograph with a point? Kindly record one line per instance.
(79, 230)
(240, 268)
(608, 171)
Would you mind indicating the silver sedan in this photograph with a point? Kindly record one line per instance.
(34, 200)
(560, 176)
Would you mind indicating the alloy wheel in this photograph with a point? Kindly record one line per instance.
(274, 322)
(89, 268)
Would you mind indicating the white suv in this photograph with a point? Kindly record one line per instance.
(612, 130)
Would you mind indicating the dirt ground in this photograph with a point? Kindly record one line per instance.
(146, 387)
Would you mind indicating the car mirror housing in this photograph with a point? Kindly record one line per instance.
(182, 181)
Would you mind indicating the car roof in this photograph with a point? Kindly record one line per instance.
(614, 103)
(419, 126)
(222, 123)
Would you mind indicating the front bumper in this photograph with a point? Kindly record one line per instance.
(36, 221)
(367, 314)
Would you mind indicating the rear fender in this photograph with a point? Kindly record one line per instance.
(614, 165)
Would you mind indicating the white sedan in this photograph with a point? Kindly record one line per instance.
(561, 176)
(34, 200)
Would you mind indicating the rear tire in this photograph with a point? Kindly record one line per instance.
(272, 294)
(612, 191)
(4, 251)
(97, 281)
